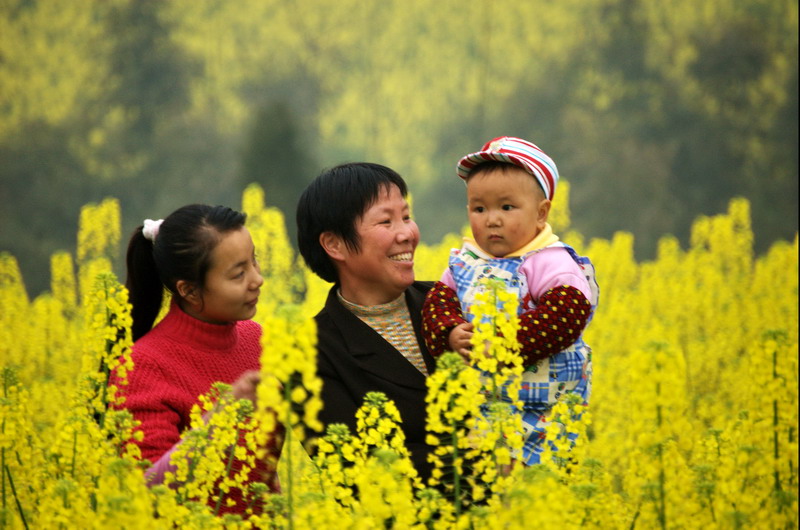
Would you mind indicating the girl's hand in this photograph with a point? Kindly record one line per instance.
(245, 387)
(459, 340)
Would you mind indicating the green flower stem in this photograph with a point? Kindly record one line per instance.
(3, 430)
(3, 464)
(193, 460)
(635, 517)
(775, 424)
(456, 474)
(16, 498)
(662, 510)
(107, 373)
(74, 453)
(287, 444)
(228, 466)
(93, 495)
(104, 366)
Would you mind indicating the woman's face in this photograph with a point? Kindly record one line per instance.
(233, 282)
(383, 268)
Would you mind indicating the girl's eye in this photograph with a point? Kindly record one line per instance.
(508, 207)
(478, 209)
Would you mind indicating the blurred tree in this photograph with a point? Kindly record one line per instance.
(159, 152)
(52, 68)
(674, 110)
(655, 112)
(42, 189)
(279, 159)
(53, 61)
(737, 81)
(148, 87)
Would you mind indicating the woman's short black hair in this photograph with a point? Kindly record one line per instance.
(333, 202)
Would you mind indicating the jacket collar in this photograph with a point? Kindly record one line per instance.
(372, 351)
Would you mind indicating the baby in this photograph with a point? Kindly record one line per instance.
(510, 186)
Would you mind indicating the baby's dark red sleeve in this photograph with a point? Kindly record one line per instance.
(441, 312)
(558, 320)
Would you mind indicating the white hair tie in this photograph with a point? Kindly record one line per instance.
(150, 229)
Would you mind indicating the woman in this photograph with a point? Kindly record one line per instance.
(204, 256)
(355, 230)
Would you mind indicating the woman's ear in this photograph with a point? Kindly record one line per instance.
(333, 246)
(188, 291)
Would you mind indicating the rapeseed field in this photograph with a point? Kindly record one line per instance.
(692, 421)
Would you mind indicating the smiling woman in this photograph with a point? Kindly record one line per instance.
(204, 256)
(382, 266)
(355, 230)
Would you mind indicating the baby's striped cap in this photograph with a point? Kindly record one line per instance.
(518, 152)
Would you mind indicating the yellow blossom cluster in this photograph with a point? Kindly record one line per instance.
(369, 472)
(692, 422)
(204, 459)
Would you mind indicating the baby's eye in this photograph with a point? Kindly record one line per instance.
(478, 209)
(508, 207)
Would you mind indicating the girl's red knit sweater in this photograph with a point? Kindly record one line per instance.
(177, 361)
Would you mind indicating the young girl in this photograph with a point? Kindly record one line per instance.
(205, 258)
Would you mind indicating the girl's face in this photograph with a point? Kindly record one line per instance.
(383, 268)
(233, 282)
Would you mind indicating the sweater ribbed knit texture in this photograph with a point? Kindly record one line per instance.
(177, 361)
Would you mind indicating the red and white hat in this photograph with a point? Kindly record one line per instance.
(518, 152)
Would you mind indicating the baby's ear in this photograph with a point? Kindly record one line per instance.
(543, 212)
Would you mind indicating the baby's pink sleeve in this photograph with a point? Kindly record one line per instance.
(553, 267)
(447, 279)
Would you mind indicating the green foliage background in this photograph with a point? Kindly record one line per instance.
(655, 111)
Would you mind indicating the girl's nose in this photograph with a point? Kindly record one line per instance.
(257, 279)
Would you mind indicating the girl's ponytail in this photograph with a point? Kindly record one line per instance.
(145, 290)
